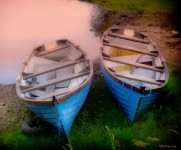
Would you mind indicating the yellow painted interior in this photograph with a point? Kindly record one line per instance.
(115, 52)
(122, 68)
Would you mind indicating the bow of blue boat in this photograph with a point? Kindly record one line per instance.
(55, 82)
(133, 68)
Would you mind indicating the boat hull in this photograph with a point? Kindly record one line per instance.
(54, 82)
(132, 102)
(62, 115)
(133, 67)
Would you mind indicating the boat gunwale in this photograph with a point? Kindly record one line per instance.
(48, 102)
(127, 85)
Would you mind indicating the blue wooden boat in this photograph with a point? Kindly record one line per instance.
(54, 83)
(134, 70)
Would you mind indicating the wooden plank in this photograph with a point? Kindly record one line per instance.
(59, 92)
(160, 67)
(25, 73)
(55, 67)
(128, 38)
(105, 55)
(134, 64)
(138, 78)
(54, 81)
(25, 86)
(150, 63)
(129, 48)
(52, 50)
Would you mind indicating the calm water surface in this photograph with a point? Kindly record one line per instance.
(25, 25)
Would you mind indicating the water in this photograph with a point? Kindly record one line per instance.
(25, 25)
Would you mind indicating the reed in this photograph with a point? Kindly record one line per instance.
(112, 138)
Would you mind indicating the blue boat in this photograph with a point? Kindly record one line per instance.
(133, 68)
(54, 83)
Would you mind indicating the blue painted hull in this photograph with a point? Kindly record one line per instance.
(62, 115)
(131, 101)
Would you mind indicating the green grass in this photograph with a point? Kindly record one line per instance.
(101, 124)
(158, 12)
(15, 140)
(135, 5)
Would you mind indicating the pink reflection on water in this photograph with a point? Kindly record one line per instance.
(25, 25)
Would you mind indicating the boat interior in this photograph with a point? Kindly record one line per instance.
(57, 67)
(133, 59)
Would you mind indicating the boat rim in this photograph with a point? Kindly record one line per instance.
(127, 85)
(66, 96)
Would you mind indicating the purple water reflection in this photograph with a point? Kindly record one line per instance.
(26, 24)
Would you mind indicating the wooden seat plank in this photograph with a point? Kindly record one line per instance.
(59, 92)
(52, 50)
(55, 67)
(55, 81)
(138, 78)
(129, 48)
(134, 64)
(128, 38)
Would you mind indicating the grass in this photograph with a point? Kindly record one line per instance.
(132, 5)
(15, 140)
(101, 124)
(112, 138)
(155, 12)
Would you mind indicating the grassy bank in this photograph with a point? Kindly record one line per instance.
(101, 124)
(153, 6)
(155, 12)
